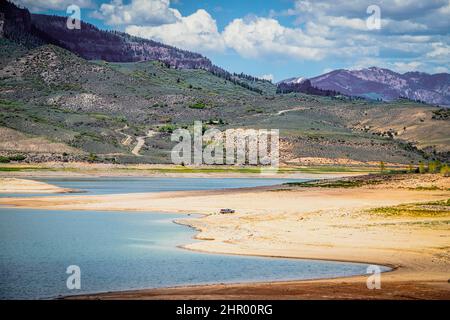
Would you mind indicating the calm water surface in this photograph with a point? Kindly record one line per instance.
(116, 185)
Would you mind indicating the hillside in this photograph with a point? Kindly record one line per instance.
(100, 109)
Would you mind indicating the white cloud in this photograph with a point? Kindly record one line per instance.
(441, 70)
(259, 37)
(343, 22)
(439, 51)
(40, 5)
(336, 31)
(397, 66)
(196, 32)
(147, 12)
(403, 67)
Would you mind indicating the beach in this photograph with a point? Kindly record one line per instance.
(314, 222)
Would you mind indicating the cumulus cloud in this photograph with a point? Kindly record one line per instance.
(195, 32)
(439, 51)
(258, 37)
(403, 67)
(40, 5)
(147, 12)
(411, 31)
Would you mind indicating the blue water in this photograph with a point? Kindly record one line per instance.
(116, 185)
(122, 250)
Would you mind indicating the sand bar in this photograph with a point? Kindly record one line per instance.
(15, 185)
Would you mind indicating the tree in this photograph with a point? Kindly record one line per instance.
(445, 170)
(382, 166)
(421, 167)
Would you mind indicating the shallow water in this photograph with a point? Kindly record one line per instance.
(121, 250)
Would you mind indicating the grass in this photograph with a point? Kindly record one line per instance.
(15, 169)
(321, 184)
(427, 209)
(430, 188)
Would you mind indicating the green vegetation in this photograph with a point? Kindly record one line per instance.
(167, 128)
(92, 157)
(421, 167)
(428, 209)
(353, 182)
(8, 159)
(430, 188)
(382, 166)
(19, 157)
(332, 184)
(198, 105)
(4, 159)
(445, 170)
(434, 167)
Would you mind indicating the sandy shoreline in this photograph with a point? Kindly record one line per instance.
(312, 223)
(15, 185)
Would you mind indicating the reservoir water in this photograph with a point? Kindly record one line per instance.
(124, 250)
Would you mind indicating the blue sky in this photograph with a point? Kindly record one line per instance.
(284, 38)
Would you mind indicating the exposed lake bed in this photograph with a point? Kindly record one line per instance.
(313, 223)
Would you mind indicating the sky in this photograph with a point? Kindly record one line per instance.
(279, 39)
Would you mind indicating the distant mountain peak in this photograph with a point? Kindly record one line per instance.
(385, 84)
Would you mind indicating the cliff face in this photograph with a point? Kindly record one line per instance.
(93, 44)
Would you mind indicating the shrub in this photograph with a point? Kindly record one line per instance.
(198, 105)
(167, 128)
(92, 157)
(4, 159)
(18, 157)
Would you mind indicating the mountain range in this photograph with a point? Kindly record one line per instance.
(384, 84)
